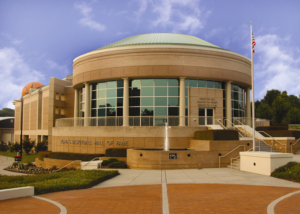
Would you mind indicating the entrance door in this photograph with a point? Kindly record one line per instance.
(206, 116)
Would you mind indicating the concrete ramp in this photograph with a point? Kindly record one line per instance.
(214, 127)
(249, 131)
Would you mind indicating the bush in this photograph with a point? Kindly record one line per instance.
(216, 135)
(116, 153)
(283, 133)
(117, 164)
(42, 146)
(3, 147)
(108, 161)
(269, 128)
(14, 147)
(290, 171)
(55, 182)
(28, 145)
(73, 156)
(14, 164)
(105, 163)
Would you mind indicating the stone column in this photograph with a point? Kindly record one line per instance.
(228, 104)
(76, 107)
(248, 108)
(87, 104)
(126, 102)
(182, 102)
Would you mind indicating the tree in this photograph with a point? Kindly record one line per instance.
(270, 97)
(295, 101)
(280, 108)
(42, 146)
(292, 117)
(7, 112)
(28, 145)
(265, 112)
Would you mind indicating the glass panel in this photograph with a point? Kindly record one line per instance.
(120, 92)
(186, 91)
(147, 82)
(147, 101)
(94, 86)
(161, 101)
(201, 112)
(147, 111)
(82, 106)
(173, 82)
(173, 111)
(224, 112)
(101, 112)
(161, 82)
(94, 113)
(209, 112)
(134, 111)
(101, 93)
(101, 103)
(119, 111)
(111, 84)
(81, 114)
(111, 93)
(192, 83)
(186, 101)
(235, 95)
(186, 112)
(224, 94)
(201, 83)
(240, 97)
(224, 103)
(235, 104)
(161, 111)
(217, 85)
(111, 112)
(94, 94)
(120, 83)
(134, 83)
(186, 83)
(111, 102)
(234, 87)
(236, 113)
(94, 103)
(147, 91)
(160, 121)
(173, 101)
(134, 101)
(210, 84)
(173, 91)
(120, 102)
(134, 91)
(83, 90)
(102, 85)
(161, 91)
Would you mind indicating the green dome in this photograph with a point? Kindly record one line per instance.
(160, 39)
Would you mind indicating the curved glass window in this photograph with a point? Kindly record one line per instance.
(237, 101)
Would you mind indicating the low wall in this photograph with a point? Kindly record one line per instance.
(284, 145)
(16, 192)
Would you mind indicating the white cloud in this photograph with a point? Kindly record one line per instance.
(11, 39)
(15, 74)
(87, 20)
(180, 15)
(55, 66)
(276, 66)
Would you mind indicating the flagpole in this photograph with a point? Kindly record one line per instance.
(252, 78)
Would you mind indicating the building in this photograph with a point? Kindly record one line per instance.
(7, 129)
(121, 95)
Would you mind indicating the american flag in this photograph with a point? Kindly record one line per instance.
(253, 43)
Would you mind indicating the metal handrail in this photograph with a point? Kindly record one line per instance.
(230, 123)
(222, 125)
(293, 145)
(228, 154)
(65, 166)
(273, 139)
(92, 160)
(238, 157)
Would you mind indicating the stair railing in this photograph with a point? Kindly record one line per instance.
(229, 153)
(221, 124)
(238, 157)
(65, 166)
(239, 131)
(244, 126)
(273, 140)
(293, 145)
(96, 158)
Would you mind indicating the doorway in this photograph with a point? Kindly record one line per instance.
(206, 116)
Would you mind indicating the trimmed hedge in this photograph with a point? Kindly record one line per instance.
(216, 135)
(271, 128)
(42, 155)
(290, 171)
(283, 133)
(117, 164)
(116, 153)
(73, 156)
(110, 160)
(279, 124)
(56, 182)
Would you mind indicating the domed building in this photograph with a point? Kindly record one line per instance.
(32, 86)
(122, 95)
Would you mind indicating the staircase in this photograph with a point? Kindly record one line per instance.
(261, 146)
(297, 152)
(235, 164)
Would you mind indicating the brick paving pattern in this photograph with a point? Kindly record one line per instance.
(126, 199)
(27, 205)
(289, 205)
(222, 198)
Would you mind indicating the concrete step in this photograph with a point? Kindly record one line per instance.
(233, 167)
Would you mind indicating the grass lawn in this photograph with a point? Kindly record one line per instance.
(60, 181)
(25, 158)
(290, 171)
(294, 127)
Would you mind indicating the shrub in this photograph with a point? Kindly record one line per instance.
(116, 152)
(73, 156)
(28, 145)
(216, 135)
(14, 147)
(290, 171)
(14, 164)
(54, 168)
(42, 146)
(283, 133)
(3, 147)
(269, 128)
(21, 166)
(105, 163)
(117, 164)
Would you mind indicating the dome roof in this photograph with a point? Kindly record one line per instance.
(32, 85)
(160, 39)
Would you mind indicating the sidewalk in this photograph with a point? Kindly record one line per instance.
(5, 162)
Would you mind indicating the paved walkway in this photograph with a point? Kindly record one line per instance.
(5, 162)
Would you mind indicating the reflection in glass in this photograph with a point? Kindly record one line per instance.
(173, 82)
(120, 83)
(120, 102)
(134, 101)
(101, 93)
(147, 91)
(94, 94)
(147, 82)
(134, 91)
(173, 111)
(134, 83)
(161, 91)
(201, 83)
(210, 84)
(161, 82)
(147, 101)
(111, 93)
(101, 112)
(161, 101)
(110, 112)
(111, 102)
(111, 84)
(101, 103)
(192, 83)
(102, 85)
(120, 92)
(94, 103)
(173, 101)
(94, 113)
(173, 91)
(147, 111)
(134, 111)
(217, 85)
(161, 111)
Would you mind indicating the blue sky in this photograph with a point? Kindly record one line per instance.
(40, 39)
